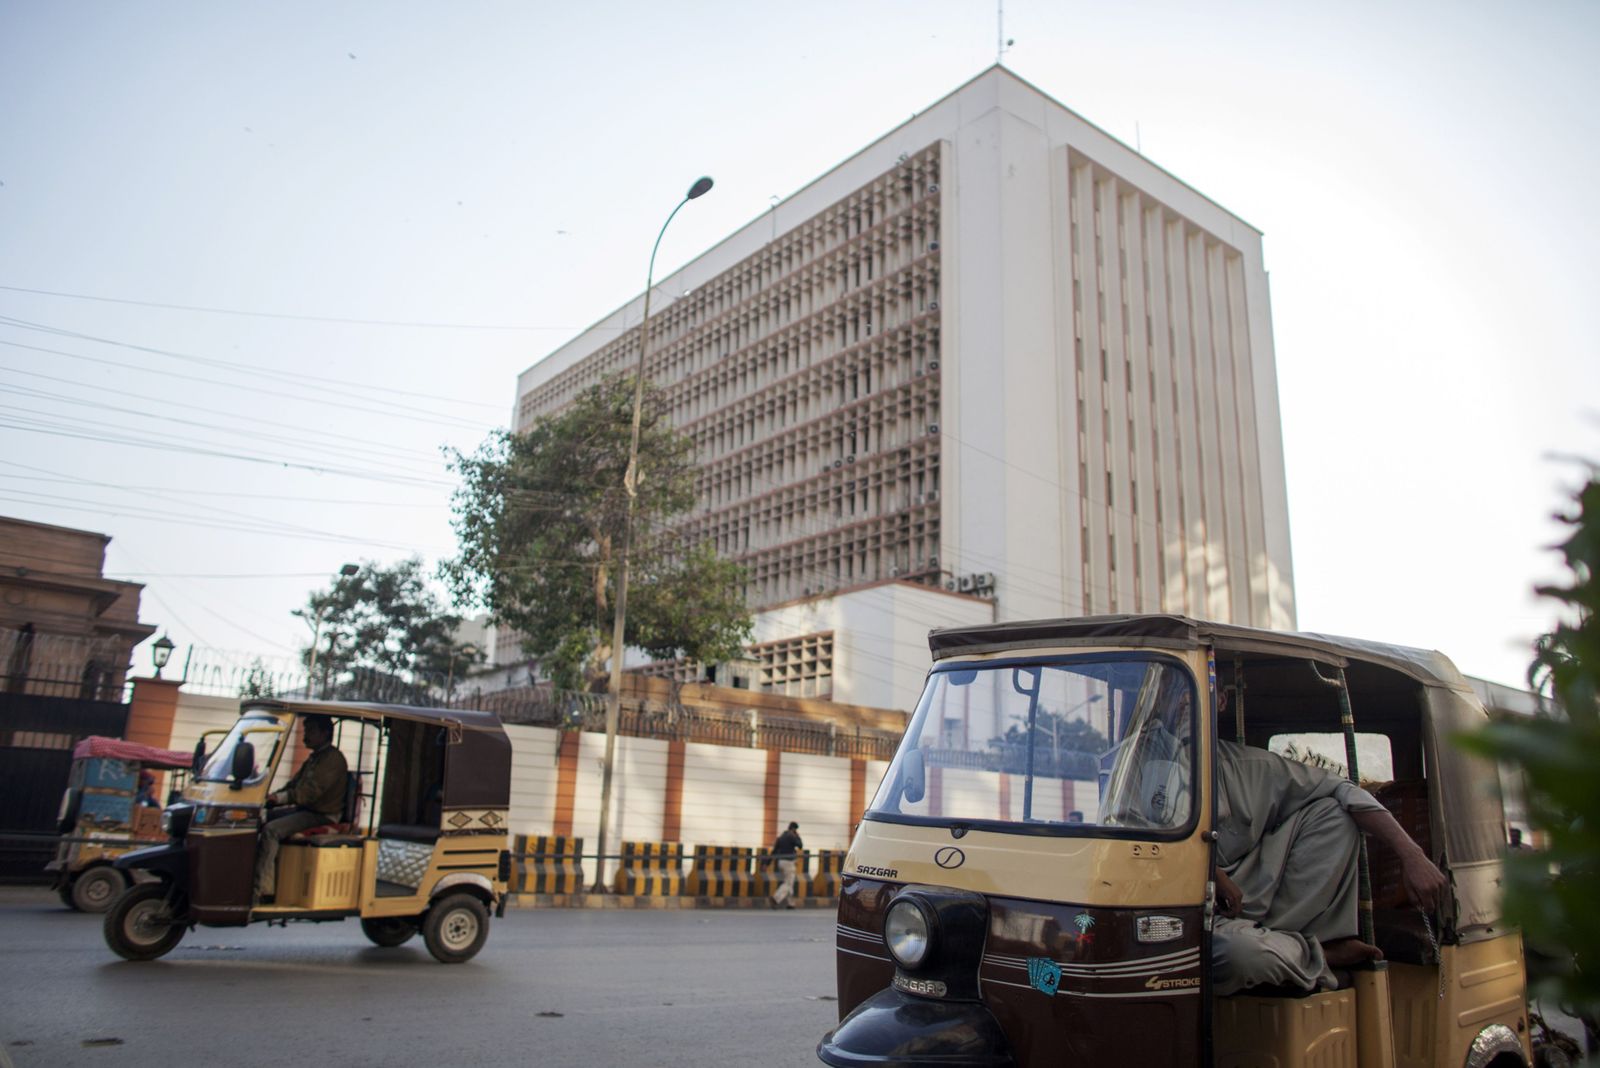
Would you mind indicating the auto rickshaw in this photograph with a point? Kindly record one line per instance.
(108, 808)
(430, 856)
(1033, 882)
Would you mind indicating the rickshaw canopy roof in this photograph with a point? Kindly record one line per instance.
(117, 749)
(1180, 632)
(471, 719)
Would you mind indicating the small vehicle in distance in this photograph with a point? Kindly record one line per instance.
(431, 856)
(1033, 882)
(108, 809)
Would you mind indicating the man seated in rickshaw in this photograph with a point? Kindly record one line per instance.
(1288, 852)
(313, 797)
(1288, 861)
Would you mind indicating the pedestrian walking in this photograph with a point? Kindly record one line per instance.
(783, 853)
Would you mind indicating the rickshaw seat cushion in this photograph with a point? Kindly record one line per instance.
(408, 832)
(332, 841)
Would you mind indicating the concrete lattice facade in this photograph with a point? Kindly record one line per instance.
(997, 351)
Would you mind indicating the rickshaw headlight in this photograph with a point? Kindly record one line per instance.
(907, 933)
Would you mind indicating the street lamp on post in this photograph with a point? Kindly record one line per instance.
(161, 652)
(630, 485)
(345, 571)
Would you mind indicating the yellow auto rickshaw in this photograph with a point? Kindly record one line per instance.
(421, 845)
(1034, 881)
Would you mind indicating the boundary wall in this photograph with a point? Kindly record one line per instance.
(695, 793)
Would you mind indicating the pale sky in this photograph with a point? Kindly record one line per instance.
(478, 182)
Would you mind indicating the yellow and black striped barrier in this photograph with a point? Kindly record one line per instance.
(724, 871)
(651, 868)
(828, 880)
(768, 881)
(547, 864)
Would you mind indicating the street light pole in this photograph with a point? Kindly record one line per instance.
(630, 485)
(345, 571)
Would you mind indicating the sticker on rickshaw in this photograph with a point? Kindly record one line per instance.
(1044, 975)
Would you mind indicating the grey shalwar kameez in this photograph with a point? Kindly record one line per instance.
(1286, 838)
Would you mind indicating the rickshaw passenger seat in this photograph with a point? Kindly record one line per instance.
(350, 819)
(1399, 929)
(408, 832)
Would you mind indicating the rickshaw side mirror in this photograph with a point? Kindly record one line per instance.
(914, 777)
(244, 762)
(199, 762)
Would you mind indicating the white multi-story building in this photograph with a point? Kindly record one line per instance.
(995, 365)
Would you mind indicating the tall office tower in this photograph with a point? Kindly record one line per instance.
(995, 365)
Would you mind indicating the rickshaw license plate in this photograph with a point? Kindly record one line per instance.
(928, 988)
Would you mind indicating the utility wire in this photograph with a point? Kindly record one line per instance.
(185, 406)
(256, 390)
(287, 377)
(383, 458)
(347, 320)
(225, 454)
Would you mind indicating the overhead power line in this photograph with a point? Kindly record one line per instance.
(340, 319)
(288, 377)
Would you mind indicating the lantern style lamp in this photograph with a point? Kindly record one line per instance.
(161, 652)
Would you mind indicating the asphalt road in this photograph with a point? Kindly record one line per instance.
(552, 987)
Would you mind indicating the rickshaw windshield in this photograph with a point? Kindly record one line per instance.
(261, 730)
(1063, 745)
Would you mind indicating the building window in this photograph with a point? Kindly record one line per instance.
(796, 667)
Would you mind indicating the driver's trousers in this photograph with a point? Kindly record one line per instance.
(281, 823)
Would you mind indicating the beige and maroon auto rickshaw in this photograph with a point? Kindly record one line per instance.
(421, 846)
(1032, 883)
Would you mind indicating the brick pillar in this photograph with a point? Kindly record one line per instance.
(770, 816)
(153, 710)
(672, 804)
(566, 782)
(858, 794)
(1005, 796)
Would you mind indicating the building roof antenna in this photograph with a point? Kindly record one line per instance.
(1002, 43)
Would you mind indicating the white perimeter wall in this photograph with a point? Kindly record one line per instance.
(724, 787)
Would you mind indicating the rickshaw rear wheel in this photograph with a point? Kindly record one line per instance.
(64, 892)
(455, 928)
(95, 889)
(138, 927)
(389, 931)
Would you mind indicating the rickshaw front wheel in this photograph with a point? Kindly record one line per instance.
(139, 926)
(388, 931)
(94, 890)
(455, 928)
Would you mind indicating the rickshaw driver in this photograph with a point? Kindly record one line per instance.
(314, 796)
(1288, 852)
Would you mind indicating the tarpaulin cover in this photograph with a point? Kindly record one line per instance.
(117, 749)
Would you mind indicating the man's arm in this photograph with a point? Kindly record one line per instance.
(1425, 884)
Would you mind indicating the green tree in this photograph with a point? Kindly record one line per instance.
(257, 681)
(386, 620)
(539, 519)
(1552, 894)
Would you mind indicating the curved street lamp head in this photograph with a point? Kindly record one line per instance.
(700, 188)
